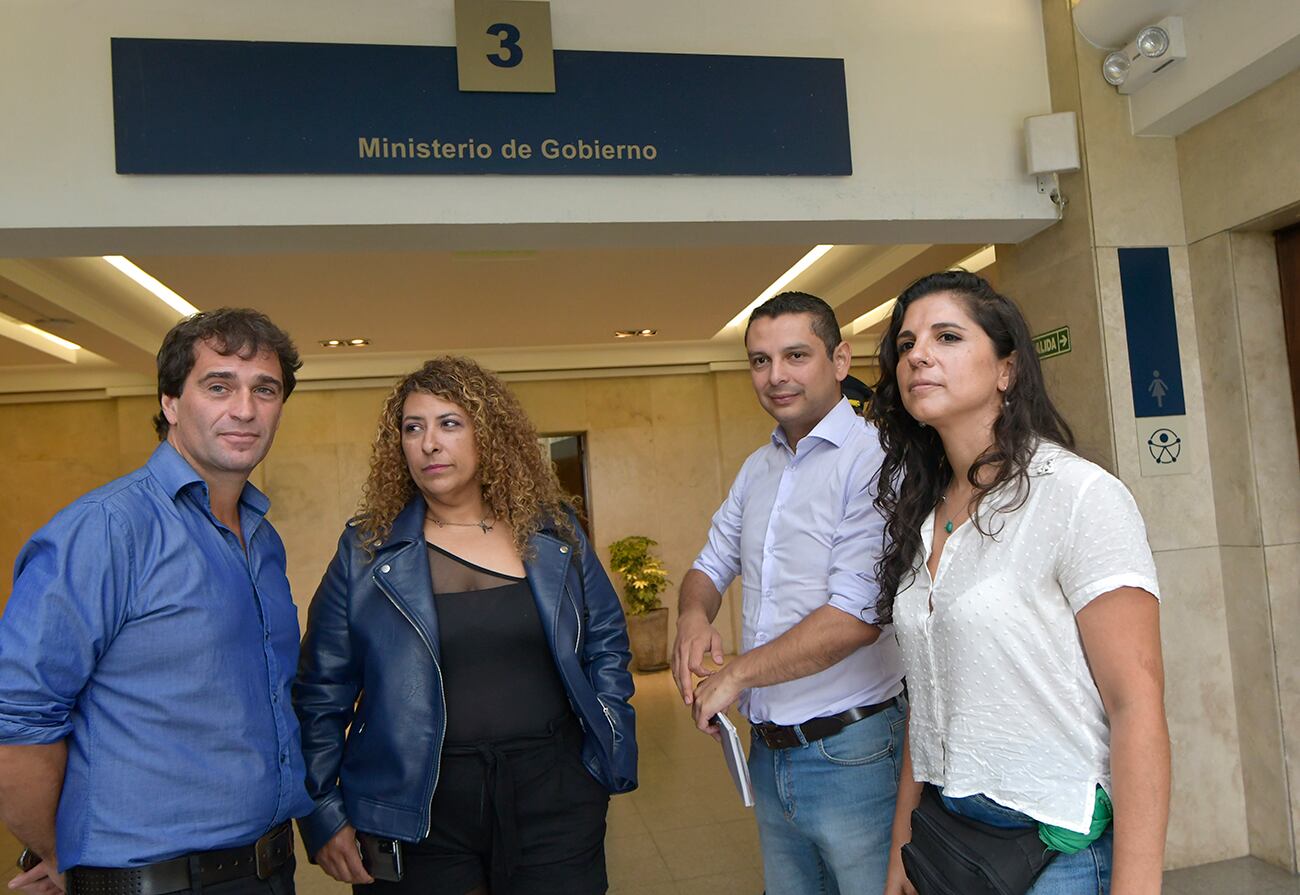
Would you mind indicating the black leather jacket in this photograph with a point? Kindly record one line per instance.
(372, 631)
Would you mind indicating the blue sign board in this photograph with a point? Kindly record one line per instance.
(242, 107)
(1155, 369)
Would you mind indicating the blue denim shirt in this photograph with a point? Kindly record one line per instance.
(140, 630)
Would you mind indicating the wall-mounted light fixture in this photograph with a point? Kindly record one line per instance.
(634, 333)
(1155, 48)
(344, 343)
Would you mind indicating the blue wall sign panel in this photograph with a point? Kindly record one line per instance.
(1154, 365)
(241, 107)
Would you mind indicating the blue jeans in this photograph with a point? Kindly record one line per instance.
(825, 808)
(1083, 873)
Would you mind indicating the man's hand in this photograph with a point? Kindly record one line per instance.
(696, 637)
(714, 695)
(40, 880)
(341, 858)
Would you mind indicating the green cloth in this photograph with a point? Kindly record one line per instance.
(1068, 841)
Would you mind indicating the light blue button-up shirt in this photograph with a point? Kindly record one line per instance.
(145, 634)
(799, 528)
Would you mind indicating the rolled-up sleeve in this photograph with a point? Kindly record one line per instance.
(856, 546)
(720, 558)
(69, 600)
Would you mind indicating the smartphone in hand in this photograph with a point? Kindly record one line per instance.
(382, 858)
(28, 859)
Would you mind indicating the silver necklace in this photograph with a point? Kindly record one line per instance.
(483, 523)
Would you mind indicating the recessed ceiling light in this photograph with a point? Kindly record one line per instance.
(812, 257)
(344, 343)
(51, 337)
(154, 285)
(634, 333)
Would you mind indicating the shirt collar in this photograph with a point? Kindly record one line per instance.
(835, 427)
(175, 474)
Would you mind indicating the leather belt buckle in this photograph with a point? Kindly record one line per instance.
(271, 851)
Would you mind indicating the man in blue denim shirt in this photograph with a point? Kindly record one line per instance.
(148, 646)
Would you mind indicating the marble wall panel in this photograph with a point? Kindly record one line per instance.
(1065, 293)
(303, 483)
(1133, 181)
(1208, 810)
(558, 405)
(1178, 509)
(356, 413)
(1268, 386)
(687, 476)
(135, 431)
(82, 430)
(1282, 565)
(308, 419)
(1241, 164)
(1259, 718)
(1227, 422)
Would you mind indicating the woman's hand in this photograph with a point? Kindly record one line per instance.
(909, 796)
(897, 883)
(341, 858)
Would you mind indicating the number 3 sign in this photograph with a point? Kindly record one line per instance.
(504, 46)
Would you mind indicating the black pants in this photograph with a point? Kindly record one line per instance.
(522, 817)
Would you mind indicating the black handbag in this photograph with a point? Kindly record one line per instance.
(954, 855)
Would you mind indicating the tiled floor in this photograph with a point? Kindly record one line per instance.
(685, 831)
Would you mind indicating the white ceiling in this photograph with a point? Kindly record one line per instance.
(527, 312)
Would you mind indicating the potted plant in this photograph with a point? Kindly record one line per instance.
(644, 579)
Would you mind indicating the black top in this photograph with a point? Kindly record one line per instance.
(498, 675)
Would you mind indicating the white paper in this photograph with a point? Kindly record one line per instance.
(734, 753)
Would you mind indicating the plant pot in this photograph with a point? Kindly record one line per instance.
(649, 636)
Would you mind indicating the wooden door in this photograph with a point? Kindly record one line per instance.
(1288, 266)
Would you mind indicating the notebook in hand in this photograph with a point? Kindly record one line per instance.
(735, 756)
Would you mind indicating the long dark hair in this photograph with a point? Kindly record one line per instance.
(915, 471)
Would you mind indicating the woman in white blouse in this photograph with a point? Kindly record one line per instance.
(1024, 594)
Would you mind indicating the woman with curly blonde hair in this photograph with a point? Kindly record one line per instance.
(463, 686)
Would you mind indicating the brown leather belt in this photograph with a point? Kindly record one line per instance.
(786, 736)
(262, 858)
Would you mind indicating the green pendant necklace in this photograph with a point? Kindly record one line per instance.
(947, 526)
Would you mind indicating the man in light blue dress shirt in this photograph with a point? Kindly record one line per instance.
(818, 678)
(148, 646)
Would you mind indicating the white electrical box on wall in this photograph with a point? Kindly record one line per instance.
(1052, 143)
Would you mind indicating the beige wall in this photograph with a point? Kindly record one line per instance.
(662, 451)
(1235, 169)
(1241, 164)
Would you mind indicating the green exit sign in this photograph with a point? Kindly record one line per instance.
(1050, 344)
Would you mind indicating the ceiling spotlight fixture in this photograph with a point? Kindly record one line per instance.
(634, 333)
(344, 343)
(1155, 48)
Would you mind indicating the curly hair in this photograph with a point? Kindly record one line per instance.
(519, 485)
(915, 469)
